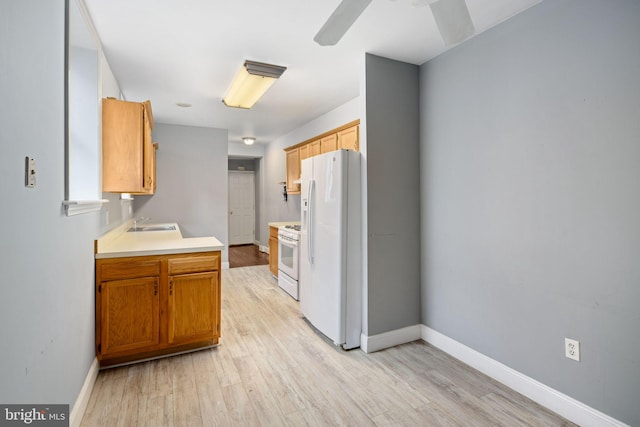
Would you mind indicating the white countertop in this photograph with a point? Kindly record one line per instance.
(283, 223)
(119, 243)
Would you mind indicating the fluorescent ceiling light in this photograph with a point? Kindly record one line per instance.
(250, 83)
(248, 140)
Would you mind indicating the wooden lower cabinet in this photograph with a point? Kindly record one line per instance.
(192, 301)
(156, 305)
(273, 250)
(130, 314)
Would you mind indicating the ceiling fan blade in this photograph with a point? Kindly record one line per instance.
(340, 21)
(453, 20)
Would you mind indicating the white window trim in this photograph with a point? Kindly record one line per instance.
(77, 207)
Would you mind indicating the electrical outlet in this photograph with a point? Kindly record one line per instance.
(572, 349)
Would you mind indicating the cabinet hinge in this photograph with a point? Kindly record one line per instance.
(218, 328)
(99, 348)
(99, 288)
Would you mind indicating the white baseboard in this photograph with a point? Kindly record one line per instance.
(372, 343)
(225, 265)
(560, 403)
(263, 248)
(80, 405)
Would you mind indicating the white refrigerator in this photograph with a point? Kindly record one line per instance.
(330, 279)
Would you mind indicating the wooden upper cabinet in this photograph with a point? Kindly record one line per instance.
(304, 152)
(344, 137)
(348, 139)
(128, 153)
(314, 148)
(329, 143)
(293, 170)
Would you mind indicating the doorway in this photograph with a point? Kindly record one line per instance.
(242, 214)
(245, 205)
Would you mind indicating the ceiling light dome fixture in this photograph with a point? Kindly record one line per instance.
(248, 140)
(250, 83)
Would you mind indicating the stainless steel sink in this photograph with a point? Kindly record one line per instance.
(152, 228)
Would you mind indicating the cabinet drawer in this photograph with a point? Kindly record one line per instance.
(273, 232)
(128, 269)
(193, 264)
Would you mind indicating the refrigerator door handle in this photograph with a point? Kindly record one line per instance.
(310, 222)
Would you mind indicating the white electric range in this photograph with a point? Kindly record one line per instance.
(288, 263)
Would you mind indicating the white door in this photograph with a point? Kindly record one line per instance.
(241, 207)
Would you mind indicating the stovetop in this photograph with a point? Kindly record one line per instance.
(291, 232)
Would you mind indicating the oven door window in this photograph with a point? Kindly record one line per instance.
(288, 258)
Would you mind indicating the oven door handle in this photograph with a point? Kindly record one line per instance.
(289, 242)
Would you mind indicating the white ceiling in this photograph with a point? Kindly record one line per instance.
(173, 51)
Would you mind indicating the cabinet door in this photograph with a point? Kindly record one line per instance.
(193, 307)
(122, 146)
(314, 148)
(129, 315)
(329, 143)
(128, 153)
(304, 152)
(293, 170)
(348, 138)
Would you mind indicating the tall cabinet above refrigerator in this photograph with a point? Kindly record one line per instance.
(330, 279)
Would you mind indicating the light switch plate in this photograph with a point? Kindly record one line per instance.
(30, 172)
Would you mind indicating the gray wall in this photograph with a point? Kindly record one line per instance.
(191, 181)
(393, 195)
(530, 158)
(46, 258)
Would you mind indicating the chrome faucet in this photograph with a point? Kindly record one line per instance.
(140, 220)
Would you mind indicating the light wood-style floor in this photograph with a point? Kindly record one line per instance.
(272, 369)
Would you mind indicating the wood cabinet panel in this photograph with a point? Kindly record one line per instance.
(273, 250)
(304, 153)
(293, 170)
(192, 307)
(130, 315)
(349, 139)
(314, 148)
(148, 150)
(193, 264)
(128, 153)
(329, 143)
(129, 268)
